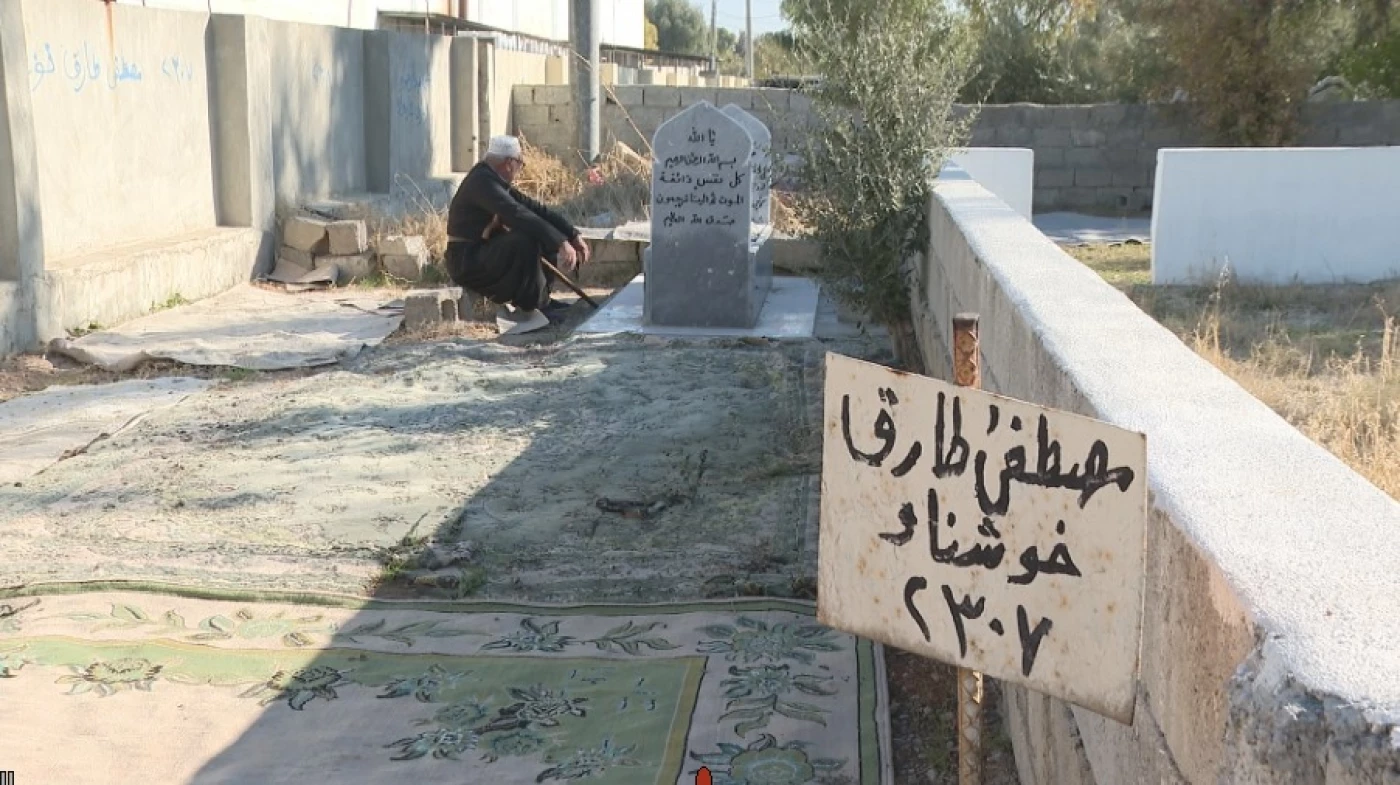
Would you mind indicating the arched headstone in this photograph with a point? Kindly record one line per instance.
(703, 268)
(761, 161)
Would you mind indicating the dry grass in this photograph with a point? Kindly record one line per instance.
(1326, 358)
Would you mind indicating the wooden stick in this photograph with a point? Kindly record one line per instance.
(967, 372)
(567, 282)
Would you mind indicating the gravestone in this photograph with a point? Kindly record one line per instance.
(761, 162)
(704, 268)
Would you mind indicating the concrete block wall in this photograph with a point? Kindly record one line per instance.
(1090, 158)
(1268, 651)
(128, 133)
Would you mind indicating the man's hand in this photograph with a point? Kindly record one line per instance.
(568, 258)
(492, 227)
(582, 248)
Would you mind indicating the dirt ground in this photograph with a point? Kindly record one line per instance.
(599, 469)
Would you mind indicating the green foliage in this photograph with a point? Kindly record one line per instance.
(777, 54)
(884, 124)
(680, 27)
(1054, 51)
(1373, 66)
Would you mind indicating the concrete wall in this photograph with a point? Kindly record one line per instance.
(318, 101)
(1274, 216)
(1008, 172)
(408, 109)
(1099, 158)
(149, 157)
(1269, 653)
(119, 98)
(514, 68)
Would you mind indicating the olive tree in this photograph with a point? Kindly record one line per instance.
(885, 121)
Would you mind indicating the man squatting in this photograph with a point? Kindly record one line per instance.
(497, 235)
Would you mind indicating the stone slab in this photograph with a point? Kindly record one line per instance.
(402, 245)
(297, 257)
(347, 238)
(789, 312)
(424, 307)
(349, 267)
(406, 266)
(305, 233)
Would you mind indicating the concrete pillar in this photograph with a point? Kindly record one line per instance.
(240, 107)
(485, 91)
(21, 225)
(379, 105)
(466, 105)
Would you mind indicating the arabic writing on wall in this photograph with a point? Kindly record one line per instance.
(85, 65)
(706, 185)
(410, 97)
(985, 531)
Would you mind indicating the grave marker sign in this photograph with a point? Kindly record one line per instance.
(985, 532)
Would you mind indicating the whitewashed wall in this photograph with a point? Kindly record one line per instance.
(1277, 215)
(1008, 172)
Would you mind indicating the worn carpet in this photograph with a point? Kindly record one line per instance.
(99, 683)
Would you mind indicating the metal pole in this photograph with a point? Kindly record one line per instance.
(748, 39)
(967, 372)
(584, 72)
(595, 76)
(714, 33)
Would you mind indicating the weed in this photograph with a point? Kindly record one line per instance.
(1324, 357)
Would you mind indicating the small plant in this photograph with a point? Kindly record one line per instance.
(890, 73)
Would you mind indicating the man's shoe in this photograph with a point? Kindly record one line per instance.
(515, 322)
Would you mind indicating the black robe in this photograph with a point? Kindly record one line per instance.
(506, 268)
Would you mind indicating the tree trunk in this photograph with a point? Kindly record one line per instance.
(906, 347)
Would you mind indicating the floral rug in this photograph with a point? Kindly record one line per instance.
(100, 682)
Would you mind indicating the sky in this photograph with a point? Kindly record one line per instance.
(730, 14)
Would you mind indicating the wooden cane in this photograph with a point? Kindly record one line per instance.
(567, 282)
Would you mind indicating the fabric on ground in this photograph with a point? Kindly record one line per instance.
(301, 483)
(188, 687)
(245, 327)
(38, 429)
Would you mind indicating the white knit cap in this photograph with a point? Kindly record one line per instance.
(504, 146)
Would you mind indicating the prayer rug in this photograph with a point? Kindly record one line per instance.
(103, 682)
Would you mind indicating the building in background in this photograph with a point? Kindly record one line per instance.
(623, 22)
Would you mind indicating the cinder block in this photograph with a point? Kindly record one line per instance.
(626, 95)
(661, 96)
(426, 307)
(1108, 116)
(1015, 136)
(562, 115)
(1093, 178)
(772, 99)
(1045, 199)
(347, 238)
(297, 257)
(305, 234)
(646, 76)
(530, 118)
(612, 251)
(1054, 178)
(402, 245)
(1087, 137)
(1051, 137)
(553, 95)
(1050, 157)
(1091, 157)
(522, 94)
(349, 267)
(739, 97)
(408, 267)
